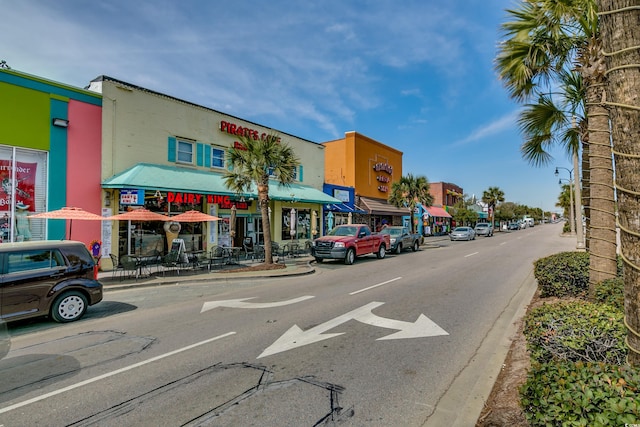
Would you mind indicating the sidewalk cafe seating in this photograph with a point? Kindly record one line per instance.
(129, 267)
(248, 248)
(172, 261)
(217, 256)
(117, 267)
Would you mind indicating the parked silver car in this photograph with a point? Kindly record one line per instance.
(484, 229)
(462, 233)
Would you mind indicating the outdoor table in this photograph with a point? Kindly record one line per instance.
(194, 258)
(233, 253)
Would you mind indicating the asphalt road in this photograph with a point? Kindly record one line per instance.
(414, 339)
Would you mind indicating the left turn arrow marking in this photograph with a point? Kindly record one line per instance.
(240, 303)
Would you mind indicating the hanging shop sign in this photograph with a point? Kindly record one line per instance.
(131, 197)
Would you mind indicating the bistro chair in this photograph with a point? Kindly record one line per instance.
(247, 246)
(129, 266)
(258, 253)
(217, 256)
(172, 261)
(117, 267)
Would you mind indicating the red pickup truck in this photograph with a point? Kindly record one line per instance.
(349, 241)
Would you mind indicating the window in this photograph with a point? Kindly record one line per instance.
(217, 158)
(33, 260)
(185, 152)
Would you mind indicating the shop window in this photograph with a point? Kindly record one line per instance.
(217, 158)
(301, 227)
(184, 153)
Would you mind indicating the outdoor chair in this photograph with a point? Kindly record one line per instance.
(117, 267)
(217, 256)
(258, 253)
(129, 266)
(172, 261)
(248, 247)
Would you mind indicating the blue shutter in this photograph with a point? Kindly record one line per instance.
(300, 174)
(199, 153)
(207, 156)
(171, 155)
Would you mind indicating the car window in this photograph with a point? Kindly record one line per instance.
(33, 260)
(78, 256)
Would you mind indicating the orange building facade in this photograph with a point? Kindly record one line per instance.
(370, 167)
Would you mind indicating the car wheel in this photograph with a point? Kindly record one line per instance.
(319, 260)
(382, 252)
(416, 246)
(399, 248)
(69, 306)
(350, 257)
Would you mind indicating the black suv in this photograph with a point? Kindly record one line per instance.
(40, 278)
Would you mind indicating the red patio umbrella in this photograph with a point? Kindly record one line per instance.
(194, 216)
(70, 213)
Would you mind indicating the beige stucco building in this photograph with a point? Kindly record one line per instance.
(169, 155)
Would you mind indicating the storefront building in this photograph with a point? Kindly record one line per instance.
(50, 146)
(370, 167)
(169, 156)
(340, 213)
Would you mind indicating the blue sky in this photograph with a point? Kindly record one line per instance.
(416, 75)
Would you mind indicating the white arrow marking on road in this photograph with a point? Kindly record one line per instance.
(423, 327)
(296, 337)
(239, 303)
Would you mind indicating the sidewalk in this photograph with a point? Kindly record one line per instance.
(294, 267)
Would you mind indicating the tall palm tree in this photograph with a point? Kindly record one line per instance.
(254, 163)
(409, 191)
(547, 39)
(620, 37)
(492, 196)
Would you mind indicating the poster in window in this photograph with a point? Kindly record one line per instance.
(25, 182)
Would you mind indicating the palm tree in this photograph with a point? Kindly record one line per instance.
(548, 39)
(620, 37)
(409, 191)
(492, 196)
(253, 164)
(462, 215)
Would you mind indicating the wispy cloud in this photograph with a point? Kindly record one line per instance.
(490, 129)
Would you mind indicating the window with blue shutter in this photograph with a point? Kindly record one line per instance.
(171, 147)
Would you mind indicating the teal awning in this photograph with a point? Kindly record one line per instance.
(146, 176)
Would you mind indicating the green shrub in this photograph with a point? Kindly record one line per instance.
(576, 331)
(566, 227)
(581, 394)
(563, 274)
(611, 291)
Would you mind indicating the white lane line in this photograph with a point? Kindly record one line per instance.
(110, 374)
(375, 286)
(502, 243)
(475, 253)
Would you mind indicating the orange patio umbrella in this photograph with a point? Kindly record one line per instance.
(194, 216)
(70, 213)
(139, 215)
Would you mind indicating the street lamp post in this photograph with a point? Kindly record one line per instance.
(571, 208)
(576, 212)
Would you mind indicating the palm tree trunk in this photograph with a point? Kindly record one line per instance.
(621, 39)
(263, 200)
(602, 258)
(586, 189)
